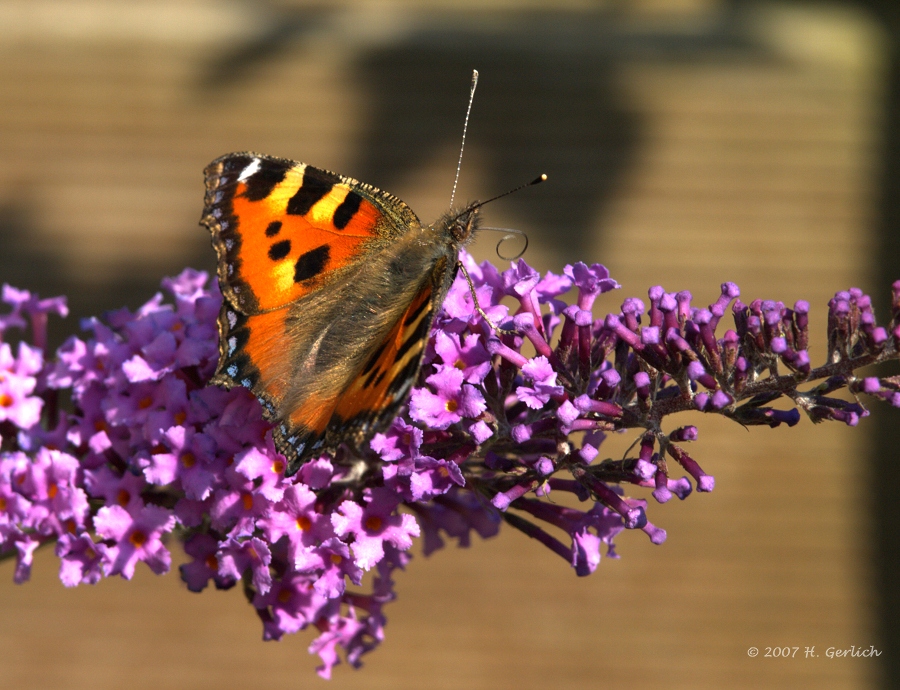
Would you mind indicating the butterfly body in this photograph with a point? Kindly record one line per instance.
(330, 290)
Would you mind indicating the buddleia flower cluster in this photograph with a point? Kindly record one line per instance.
(115, 446)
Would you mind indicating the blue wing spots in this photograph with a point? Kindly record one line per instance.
(294, 442)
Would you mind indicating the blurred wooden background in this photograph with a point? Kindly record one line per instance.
(688, 142)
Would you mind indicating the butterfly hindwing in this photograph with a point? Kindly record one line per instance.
(371, 393)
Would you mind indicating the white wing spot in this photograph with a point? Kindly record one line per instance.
(249, 170)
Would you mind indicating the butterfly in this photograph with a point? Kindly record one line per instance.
(330, 287)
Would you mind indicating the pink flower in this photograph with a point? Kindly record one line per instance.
(374, 524)
(134, 538)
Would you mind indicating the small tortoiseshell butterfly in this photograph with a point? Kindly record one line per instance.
(330, 289)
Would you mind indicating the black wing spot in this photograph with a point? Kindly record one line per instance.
(261, 183)
(316, 184)
(344, 213)
(279, 250)
(274, 228)
(312, 263)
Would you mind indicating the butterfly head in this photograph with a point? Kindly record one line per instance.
(462, 225)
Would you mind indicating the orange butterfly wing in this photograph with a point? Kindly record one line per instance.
(330, 290)
(280, 227)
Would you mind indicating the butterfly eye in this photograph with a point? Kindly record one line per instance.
(463, 225)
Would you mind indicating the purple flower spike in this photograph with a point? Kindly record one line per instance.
(720, 400)
(570, 330)
(401, 440)
(495, 424)
(683, 299)
(202, 547)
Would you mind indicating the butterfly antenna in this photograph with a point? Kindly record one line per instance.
(537, 180)
(478, 204)
(465, 127)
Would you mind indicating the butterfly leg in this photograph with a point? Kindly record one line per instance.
(494, 327)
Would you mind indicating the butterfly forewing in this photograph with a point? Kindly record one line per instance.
(283, 229)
